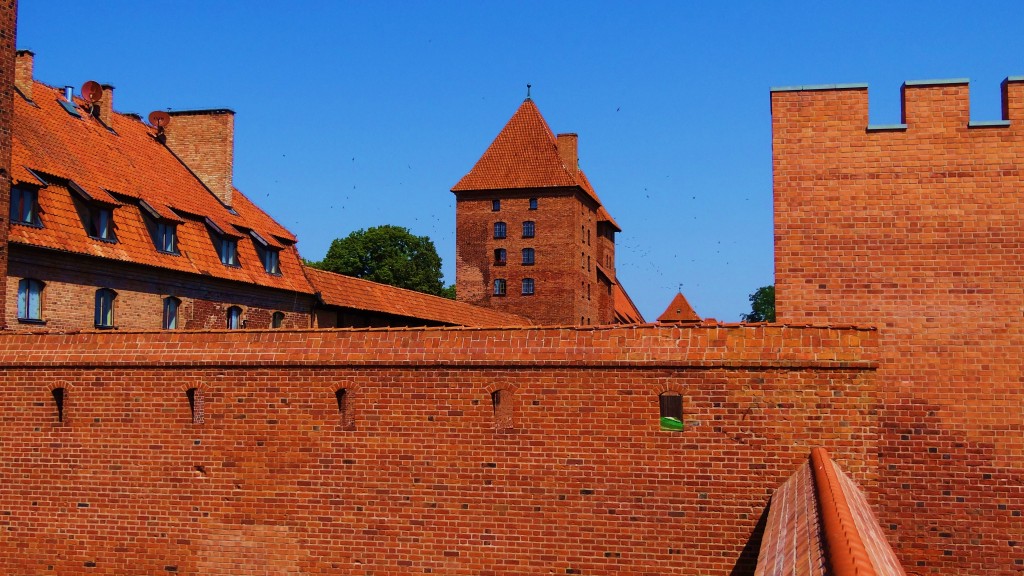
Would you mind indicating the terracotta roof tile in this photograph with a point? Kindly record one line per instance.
(348, 292)
(625, 311)
(679, 311)
(524, 155)
(123, 166)
(820, 523)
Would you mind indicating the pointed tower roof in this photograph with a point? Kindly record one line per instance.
(678, 311)
(524, 155)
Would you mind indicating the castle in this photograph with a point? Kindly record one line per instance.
(502, 444)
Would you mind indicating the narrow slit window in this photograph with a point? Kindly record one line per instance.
(345, 415)
(671, 411)
(234, 318)
(196, 405)
(170, 321)
(58, 400)
(501, 401)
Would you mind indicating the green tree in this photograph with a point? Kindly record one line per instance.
(762, 305)
(389, 255)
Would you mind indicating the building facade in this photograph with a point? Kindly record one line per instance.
(532, 236)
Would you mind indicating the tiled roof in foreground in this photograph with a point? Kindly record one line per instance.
(123, 167)
(820, 524)
(348, 292)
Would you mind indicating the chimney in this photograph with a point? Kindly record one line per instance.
(205, 141)
(105, 107)
(568, 151)
(23, 72)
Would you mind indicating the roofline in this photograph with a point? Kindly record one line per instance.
(201, 112)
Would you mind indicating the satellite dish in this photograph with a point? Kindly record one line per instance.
(159, 119)
(92, 92)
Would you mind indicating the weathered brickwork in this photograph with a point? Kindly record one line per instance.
(408, 471)
(916, 228)
(564, 261)
(8, 22)
(71, 281)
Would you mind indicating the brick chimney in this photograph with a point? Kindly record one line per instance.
(23, 72)
(568, 151)
(105, 107)
(205, 141)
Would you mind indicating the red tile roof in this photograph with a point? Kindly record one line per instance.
(625, 311)
(348, 292)
(525, 155)
(819, 523)
(123, 166)
(678, 311)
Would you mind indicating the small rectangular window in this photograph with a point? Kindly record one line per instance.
(495, 205)
(234, 318)
(165, 237)
(528, 256)
(500, 256)
(527, 286)
(104, 315)
(533, 203)
(499, 287)
(30, 300)
(271, 260)
(528, 229)
(170, 321)
(671, 411)
(499, 230)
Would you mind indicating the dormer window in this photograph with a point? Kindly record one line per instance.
(163, 231)
(101, 223)
(165, 237)
(271, 260)
(269, 255)
(24, 206)
(228, 250)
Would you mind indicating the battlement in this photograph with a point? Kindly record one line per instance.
(928, 105)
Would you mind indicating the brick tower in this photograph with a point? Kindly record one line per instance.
(8, 24)
(532, 237)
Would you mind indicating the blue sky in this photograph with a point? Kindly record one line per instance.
(356, 114)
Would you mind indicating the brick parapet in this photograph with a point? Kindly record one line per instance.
(762, 347)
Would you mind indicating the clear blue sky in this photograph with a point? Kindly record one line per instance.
(355, 114)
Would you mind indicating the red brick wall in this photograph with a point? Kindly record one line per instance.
(8, 21)
(205, 141)
(918, 231)
(415, 478)
(562, 247)
(71, 281)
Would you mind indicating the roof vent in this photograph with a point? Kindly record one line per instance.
(69, 93)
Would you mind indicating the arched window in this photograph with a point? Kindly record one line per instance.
(58, 400)
(499, 230)
(528, 256)
(30, 298)
(104, 316)
(197, 404)
(671, 411)
(171, 305)
(234, 318)
(277, 320)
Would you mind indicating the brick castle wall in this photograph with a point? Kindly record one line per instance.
(416, 474)
(564, 272)
(8, 22)
(71, 281)
(917, 229)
